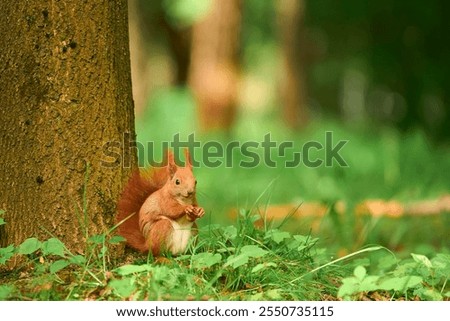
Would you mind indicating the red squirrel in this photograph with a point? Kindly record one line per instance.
(159, 208)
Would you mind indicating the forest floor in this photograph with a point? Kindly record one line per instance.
(243, 261)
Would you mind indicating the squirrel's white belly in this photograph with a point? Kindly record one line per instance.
(181, 235)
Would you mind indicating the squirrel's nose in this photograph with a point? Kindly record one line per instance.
(189, 193)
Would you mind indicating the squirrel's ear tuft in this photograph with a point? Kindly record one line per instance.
(187, 158)
(167, 157)
(171, 165)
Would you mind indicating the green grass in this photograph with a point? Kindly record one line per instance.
(235, 262)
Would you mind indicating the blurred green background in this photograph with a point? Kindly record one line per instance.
(375, 73)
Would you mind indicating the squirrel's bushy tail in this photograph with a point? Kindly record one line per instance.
(140, 186)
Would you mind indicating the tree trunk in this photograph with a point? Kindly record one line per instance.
(293, 91)
(214, 64)
(66, 104)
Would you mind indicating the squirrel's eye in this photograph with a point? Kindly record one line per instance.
(177, 182)
(195, 182)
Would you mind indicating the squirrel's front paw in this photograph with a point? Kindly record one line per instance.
(194, 213)
(190, 212)
(199, 211)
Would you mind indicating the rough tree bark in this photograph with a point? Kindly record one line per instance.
(213, 72)
(65, 93)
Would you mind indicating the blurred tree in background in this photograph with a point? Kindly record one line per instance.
(202, 39)
(293, 51)
(213, 74)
